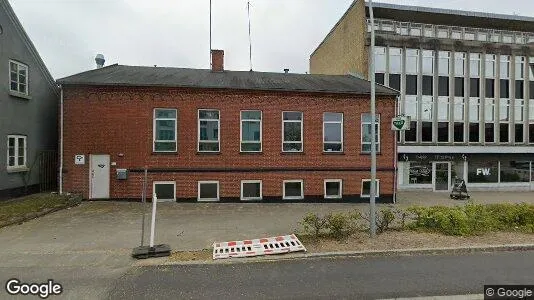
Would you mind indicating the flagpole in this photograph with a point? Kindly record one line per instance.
(210, 38)
(249, 37)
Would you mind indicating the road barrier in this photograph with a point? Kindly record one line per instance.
(257, 247)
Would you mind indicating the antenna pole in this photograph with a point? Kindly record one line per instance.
(249, 37)
(210, 38)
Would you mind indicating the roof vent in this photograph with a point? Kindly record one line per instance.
(286, 71)
(99, 59)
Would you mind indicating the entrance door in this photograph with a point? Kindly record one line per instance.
(99, 177)
(441, 176)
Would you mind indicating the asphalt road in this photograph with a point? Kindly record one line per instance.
(329, 278)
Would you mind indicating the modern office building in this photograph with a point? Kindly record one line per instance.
(465, 81)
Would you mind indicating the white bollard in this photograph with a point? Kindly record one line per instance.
(153, 223)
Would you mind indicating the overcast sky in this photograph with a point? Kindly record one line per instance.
(69, 33)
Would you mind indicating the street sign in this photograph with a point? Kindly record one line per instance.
(400, 123)
(79, 159)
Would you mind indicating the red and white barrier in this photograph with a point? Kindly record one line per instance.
(256, 247)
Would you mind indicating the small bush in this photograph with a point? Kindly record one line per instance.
(340, 225)
(313, 225)
(384, 220)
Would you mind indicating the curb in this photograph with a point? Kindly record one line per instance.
(358, 254)
(72, 201)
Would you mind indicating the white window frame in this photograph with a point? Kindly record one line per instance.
(340, 195)
(154, 133)
(154, 183)
(362, 123)
(293, 197)
(241, 130)
(19, 66)
(208, 199)
(243, 198)
(301, 131)
(16, 152)
(377, 188)
(334, 122)
(218, 131)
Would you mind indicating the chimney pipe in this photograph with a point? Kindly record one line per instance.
(99, 59)
(286, 71)
(217, 60)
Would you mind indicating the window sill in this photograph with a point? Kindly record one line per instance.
(292, 153)
(20, 95)
(333, 153)
(208, 153)
(164, 153)
(17, 170)
(251, 153)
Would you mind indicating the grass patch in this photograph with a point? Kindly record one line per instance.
(30, 206)
(206, 254)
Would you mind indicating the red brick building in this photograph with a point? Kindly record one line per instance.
(207, 135)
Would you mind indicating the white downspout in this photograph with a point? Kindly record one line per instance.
(61, 143)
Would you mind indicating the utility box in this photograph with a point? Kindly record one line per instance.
(122, 174)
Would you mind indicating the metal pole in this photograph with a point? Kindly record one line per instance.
(372, 192)
(249, 37)
(210, 39)
(153, 223)
(143, 201)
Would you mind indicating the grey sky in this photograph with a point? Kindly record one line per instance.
(69, 33)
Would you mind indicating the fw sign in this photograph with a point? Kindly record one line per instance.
(483, 171)
(400, 123)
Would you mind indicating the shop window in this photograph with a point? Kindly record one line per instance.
(490, 88)
(395, 81)
(443, 86)
(474, 87)
(515, 171)
(165, 190)
(293, 189)
(483, 170)
(428, 85)
(443, 131)
(411, 84)
(411, 135)
(459, 87)
(208, 191)
(474, 132)
(458, 132)
(333, 188)
(379, 77)
(420, 173)
(251, 190)
(426, 131)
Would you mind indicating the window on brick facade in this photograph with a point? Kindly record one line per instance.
(165, 190)
(366, 188)
(18, 74)
(208, 191)
(164, 130)
(251, 131)
(251, 190)
(293, 189)
(366, 133)
(333, 188)
(293, 130)
(208, 130)
(16, 151)
(332, 132)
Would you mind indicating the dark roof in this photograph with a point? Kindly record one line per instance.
(120, 75)
(419, 14)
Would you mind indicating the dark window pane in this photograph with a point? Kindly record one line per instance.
(251, 147)
(204, 146)
(443, 86)
(482, 170)
(458, 87)
(531, 84)
(504, 135)
(251, 115)
(14, 86)
(420, 173)
(165, 191)
(333, 189)
(489, 130)
(490, 88)
(164, 146)
(515, 171)
(292, 115)
(474, 87)
(332, 132)
(474, 132)
(519, 133)
(458, 132)
(208, 190)
(428, 85)
(250, 131)
(251, 190)
(165, 113)
(411, 135)
(411, 84)
(426, 132)
(292, 131)
(292, 146)
(443, 132)
(332, 147)
(293, 189)
(379, 77)
(208, 114)
(505, 88)
(332, 117)
(12, 161)
(519, 89)
(395, 81)
(531, 133)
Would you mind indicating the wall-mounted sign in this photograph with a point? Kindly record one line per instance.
(79, 159)
(432, 157)
(400, 123)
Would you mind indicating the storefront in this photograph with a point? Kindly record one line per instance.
(436, 172)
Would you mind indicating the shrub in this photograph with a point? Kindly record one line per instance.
(384, 219)
(340, 225)
(313, 224)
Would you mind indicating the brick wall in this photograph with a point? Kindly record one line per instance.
(119, 121)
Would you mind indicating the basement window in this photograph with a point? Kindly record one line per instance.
(165, 190)
(366, 188)
(208, 191)
(293, 189)
(333, 188)
(251, 190)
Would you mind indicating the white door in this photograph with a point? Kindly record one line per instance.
(441, 176)
(99, 177)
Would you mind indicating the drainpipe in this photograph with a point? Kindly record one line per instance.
(61, 143)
